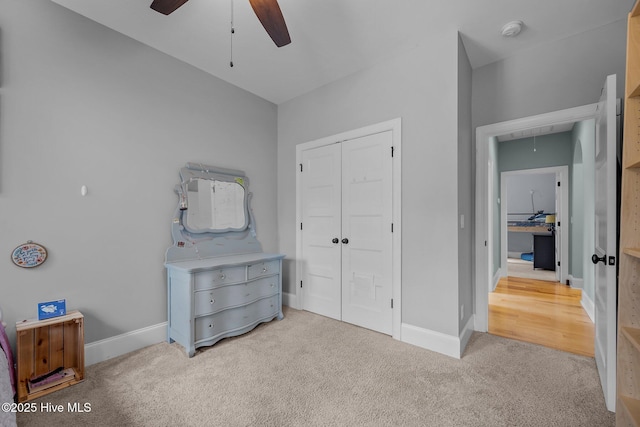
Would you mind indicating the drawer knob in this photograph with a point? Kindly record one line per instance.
(212, 301)
(247, 295)
(222, 277)
(272, 285)
(264, 269)
(211, 325)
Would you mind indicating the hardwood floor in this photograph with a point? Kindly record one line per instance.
(540, 312)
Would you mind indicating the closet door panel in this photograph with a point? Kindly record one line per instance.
(321, 219)
(366, 228)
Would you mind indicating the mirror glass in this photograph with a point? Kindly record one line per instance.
(215, 205)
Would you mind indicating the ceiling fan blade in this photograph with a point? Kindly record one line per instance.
(270, 15)
(166, 6)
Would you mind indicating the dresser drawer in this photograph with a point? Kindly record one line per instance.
(235, 319)
(218, 277)
(263, 269)
(217, 299)
(214, 300)
(266, 286)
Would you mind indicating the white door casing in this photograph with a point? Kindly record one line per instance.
(605, 250)
(483, 238)
(484, 216)
(393, 244)
(562, 218)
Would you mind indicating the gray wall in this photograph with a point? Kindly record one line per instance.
(465, 188)
(83, 105)
(551, 150)
(582, 205)
(563, 74)
(421, 87)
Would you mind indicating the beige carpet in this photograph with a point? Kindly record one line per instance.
(307, 370)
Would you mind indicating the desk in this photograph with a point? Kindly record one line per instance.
(544, 251)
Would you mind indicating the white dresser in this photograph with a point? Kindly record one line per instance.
(219, 282)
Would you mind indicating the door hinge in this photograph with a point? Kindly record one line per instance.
(558, 183)
(612, 260)
(559, 224)
(392, 149)
(300, 283)
(558, 263)
(300, 167)
(392, 227)
(300, 226)
(485, 243)
(391, 302)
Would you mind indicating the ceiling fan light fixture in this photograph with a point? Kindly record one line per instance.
(512, 29)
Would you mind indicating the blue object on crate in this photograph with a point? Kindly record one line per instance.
(527, 256)
(47, 310)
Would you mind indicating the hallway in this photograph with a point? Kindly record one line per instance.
(540, 312)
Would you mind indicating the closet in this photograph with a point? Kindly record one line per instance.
(346, 230)
(628, 360)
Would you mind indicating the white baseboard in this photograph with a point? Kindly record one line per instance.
(108, 348)
(448, 345)
(575, 282)
(588, 306)
(496, 279)
(290, 300)
(99, 351)
(466, 333)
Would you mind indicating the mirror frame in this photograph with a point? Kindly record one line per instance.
(193, 171)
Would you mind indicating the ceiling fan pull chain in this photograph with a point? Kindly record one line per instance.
(233, 30)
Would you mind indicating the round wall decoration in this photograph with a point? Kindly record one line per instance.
(29, 255)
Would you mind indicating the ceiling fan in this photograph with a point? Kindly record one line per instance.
(267, 11)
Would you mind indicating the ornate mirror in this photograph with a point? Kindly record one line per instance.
(213, 217)
(214, 205)
(214, 200)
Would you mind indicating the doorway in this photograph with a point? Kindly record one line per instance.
(332, 275)
(488, 262)
(533, 202)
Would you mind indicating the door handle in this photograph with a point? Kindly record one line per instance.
(345, 240)
(335, 240)
(595, 259)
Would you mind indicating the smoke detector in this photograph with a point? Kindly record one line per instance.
(512, 29)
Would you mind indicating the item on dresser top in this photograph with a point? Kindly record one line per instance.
(219, 281)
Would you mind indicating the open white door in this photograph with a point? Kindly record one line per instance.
(604, 256)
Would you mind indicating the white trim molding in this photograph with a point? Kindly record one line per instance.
(395, 126)
(449, 345)
(290, 300)
(588, 306)
(108, 348)
(500, 273)
(484, 165)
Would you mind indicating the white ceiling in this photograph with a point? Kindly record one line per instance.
(334, 38)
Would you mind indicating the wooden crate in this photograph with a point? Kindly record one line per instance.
(44, 345)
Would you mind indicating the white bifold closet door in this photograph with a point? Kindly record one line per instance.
(347, 231)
